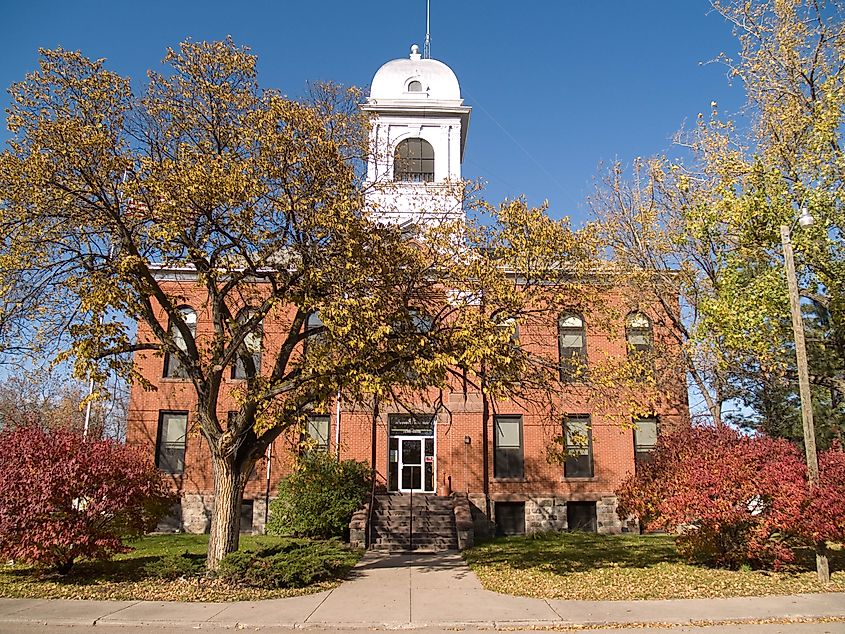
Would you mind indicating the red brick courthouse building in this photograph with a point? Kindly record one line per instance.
(503, 469)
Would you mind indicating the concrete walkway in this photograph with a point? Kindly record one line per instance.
(414, 590)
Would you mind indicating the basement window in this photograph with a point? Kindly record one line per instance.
(510, 518)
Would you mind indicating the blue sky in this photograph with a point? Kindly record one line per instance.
(557, 87)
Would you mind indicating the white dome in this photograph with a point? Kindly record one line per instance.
(415, 79)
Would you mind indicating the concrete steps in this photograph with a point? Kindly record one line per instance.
(427, 524)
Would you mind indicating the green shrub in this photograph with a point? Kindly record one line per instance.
(293, 564)
(319, 497)
(171, 567)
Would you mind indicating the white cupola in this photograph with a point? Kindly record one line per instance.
(417, 141)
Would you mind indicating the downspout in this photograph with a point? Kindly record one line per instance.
(373, 438)
(485, 439)
(337, 426)
(267, 486)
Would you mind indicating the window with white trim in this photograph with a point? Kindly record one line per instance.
(572, 346)
(171, 441)
(508, 461)
(172, 366)
(578, 436)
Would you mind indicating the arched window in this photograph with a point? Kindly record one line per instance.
(415, 86)
(638, 336)
(572, 345)
(251, 348)
(172, 368)
(511, 325)
(312, 322)
(413, 161)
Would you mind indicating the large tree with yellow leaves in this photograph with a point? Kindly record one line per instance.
(259, 197)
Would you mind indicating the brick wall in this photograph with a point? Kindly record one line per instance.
(459, 428)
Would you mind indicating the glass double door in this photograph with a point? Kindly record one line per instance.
(411, 466)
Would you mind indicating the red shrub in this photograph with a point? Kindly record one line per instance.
(823, 514)
(736, 499)
(62, 497)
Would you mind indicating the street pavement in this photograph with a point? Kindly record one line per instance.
(434, 592)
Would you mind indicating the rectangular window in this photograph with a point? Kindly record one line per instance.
(645, 438)
(317, 429)
(171, 440)
(581, 516)
(510, 518)
(247, 507)
(508, 458)
(173, 368)
(172, 522)
(578, 435)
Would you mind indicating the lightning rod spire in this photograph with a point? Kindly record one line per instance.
(427, 47)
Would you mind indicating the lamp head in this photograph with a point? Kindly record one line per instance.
(805, 219)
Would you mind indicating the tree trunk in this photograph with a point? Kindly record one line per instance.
(226, 515)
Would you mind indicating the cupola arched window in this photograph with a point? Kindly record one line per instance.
(172, 367)
(415, 86)
(413, 161)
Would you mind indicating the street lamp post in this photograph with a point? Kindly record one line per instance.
(805, 220)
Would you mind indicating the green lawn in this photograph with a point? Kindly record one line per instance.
(124, 577)
(618, 567)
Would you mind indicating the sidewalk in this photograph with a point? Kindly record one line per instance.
(414, 590)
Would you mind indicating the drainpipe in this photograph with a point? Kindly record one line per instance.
(374, 438)
(337, 426)
(485, 420)
(485, 441)
(267, 486)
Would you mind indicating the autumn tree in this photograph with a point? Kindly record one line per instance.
(50, 399)
(708, 218)
(657, 226)
(258, 202)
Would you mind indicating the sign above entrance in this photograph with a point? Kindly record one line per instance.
(407, 425)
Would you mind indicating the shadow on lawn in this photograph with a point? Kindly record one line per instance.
(85, 572)
(805, 559)
(576, 552)
(563, 553)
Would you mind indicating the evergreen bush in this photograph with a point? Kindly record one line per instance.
(293, 564)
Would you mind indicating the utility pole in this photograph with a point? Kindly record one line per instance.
(822, 567)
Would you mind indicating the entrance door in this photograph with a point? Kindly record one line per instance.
(411, 463)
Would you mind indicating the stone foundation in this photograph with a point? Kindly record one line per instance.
(547, 514)
(608, 521)
(543, 515)
(258, 508)
(196, 514)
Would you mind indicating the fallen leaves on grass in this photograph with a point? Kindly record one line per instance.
(598, 567)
